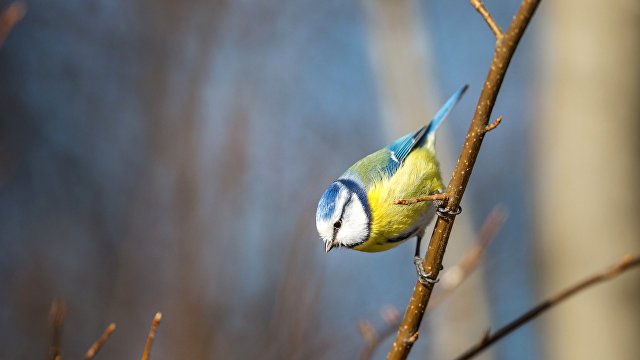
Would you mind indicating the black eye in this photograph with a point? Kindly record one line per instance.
(337, 224)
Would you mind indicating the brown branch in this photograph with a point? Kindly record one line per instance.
(625, 264)
(504, 51)
(493, 125)
(434, 197)
(93, 350)
(451, 280)
(10, 17)
(152, 334)
(482, 10)
(56, 319)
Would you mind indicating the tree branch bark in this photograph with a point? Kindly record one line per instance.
(505, 48)
(93, 350)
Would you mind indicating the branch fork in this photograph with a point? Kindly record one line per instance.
(486, 15)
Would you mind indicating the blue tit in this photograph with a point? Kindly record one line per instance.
(357, 211)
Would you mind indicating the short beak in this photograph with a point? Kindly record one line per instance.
(328, 246)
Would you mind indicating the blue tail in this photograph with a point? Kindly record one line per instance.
(445, 110)
(400, 149)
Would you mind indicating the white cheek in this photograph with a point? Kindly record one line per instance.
(325, 229)
(355, 227)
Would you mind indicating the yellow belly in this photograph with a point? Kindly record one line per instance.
(418, 176)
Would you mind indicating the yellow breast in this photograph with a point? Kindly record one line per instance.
(418, 176)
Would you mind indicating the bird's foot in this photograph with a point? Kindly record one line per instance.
(423, 276)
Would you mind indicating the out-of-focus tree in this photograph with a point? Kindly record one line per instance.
(587, 148)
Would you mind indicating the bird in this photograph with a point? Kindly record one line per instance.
(359, 210)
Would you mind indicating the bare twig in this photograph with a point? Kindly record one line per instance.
(480, 8)
(93, 350)
(451, 280)
(56, 319)
(505, 48)
(10, 17)
(434, 197)
(152, 334)
(493, 125)
(368, 333)
(625, 264)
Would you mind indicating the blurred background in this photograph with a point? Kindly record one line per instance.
(169, 155)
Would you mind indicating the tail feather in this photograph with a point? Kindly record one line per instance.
(401, 148)
(444, 111)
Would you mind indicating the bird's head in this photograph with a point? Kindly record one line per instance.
(343, 215)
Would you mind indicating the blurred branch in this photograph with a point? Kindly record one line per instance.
(456, 275)
(373, 339)
(504, 50)
(451, 280)
(56, 319)
(10, 17)
(152, 334)
(93, 350)
(489, 338)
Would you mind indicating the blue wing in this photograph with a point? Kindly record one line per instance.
(401, 148)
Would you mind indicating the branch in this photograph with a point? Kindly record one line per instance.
(480, 8)
(93, 350)
(10, 17)
(152, 334)
(493, 125)
(434, 197)
(504, 51)
(56, 318)
(451, 280)
(625, 264)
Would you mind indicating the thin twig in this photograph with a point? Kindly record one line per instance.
(93, 350)
(625, 264)
(152, 334)
(480, 8)
(493, 125)
(505, 48)
(451, 280)
(434, 197)
(10, 17)
(56, 319)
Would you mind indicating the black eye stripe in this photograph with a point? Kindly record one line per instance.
(344, 208)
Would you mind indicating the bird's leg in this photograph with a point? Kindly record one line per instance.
(423, 276)
(418, 241)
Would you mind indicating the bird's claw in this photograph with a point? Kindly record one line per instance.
(423, 276)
